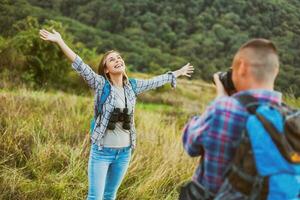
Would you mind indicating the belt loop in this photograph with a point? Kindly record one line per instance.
(100, 146)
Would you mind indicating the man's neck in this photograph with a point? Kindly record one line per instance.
(258, 86)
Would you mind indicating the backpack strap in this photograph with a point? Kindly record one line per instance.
(283, 145)
(248, 101)
(106, 91)
(280, 140)
(241, 173)
(102, 98)
(133, 84)
(99, 104)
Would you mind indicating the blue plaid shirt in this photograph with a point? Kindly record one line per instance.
(96, 82)
(214, 135)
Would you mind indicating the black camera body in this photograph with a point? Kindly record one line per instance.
(118, 116)
(226, 80)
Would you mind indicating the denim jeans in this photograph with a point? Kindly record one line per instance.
(106, 170)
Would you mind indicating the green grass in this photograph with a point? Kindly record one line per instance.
(44, 148)
(154, 107)
(44, 143)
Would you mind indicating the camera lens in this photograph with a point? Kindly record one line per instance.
(226, 79)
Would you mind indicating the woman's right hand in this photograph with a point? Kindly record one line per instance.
(56, 37)
(48, 36)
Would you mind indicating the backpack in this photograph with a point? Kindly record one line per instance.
(266, 164)
(102, 99)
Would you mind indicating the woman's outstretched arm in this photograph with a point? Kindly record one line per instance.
(56, 38)
(170, 77)
(94, 80)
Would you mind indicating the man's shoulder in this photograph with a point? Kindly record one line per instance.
(227, 104)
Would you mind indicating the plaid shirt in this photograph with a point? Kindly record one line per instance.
(215, 135)
(96, 82)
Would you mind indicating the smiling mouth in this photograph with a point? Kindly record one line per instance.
(118, 66)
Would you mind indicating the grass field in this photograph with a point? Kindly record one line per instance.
(44, 143)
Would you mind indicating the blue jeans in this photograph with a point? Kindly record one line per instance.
(106, 170)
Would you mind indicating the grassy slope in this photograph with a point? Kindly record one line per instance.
(44, 150)
(44, 143)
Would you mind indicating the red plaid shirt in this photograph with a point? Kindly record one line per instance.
(215, 135)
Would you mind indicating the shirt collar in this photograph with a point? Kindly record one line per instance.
(263, 95)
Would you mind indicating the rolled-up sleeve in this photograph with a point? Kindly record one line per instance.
(94, 80)
(155, 82)
(195, 132)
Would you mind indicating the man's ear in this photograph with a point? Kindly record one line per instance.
(243, 68)
(277, 71)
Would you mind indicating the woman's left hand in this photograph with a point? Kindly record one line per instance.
(186, 70)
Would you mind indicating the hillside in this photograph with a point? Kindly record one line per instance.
(153, 36)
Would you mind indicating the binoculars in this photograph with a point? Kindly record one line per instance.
(118, 116)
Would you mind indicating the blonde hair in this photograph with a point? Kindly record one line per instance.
(102, 66)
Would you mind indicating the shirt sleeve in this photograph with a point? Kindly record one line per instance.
(195, 131)
(93, 80)
(221, 124)
(145, 85)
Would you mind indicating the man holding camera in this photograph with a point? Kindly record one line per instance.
(215, 134)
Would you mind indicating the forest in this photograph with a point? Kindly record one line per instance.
(153, 36)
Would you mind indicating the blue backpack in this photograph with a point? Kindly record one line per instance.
(267, 161)
(102, 99)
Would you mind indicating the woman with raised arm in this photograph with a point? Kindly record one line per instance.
(113, 134)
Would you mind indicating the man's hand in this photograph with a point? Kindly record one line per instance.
(219, 86)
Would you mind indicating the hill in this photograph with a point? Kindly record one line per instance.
(153, 36)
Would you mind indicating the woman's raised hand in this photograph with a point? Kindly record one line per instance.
(56, 37)
(48, 36)
(187, 70)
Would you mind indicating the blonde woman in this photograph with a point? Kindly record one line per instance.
(113, 136)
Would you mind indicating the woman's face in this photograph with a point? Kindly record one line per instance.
(114, 64)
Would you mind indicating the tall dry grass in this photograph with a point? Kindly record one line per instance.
(44, 148)
(44, 143)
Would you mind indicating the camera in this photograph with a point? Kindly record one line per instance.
(118, 116)
(226, 80)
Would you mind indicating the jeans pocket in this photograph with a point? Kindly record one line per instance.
(96, 152)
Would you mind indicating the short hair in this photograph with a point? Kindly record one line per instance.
(263, 58)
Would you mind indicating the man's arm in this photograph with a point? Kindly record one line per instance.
(196, 131)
